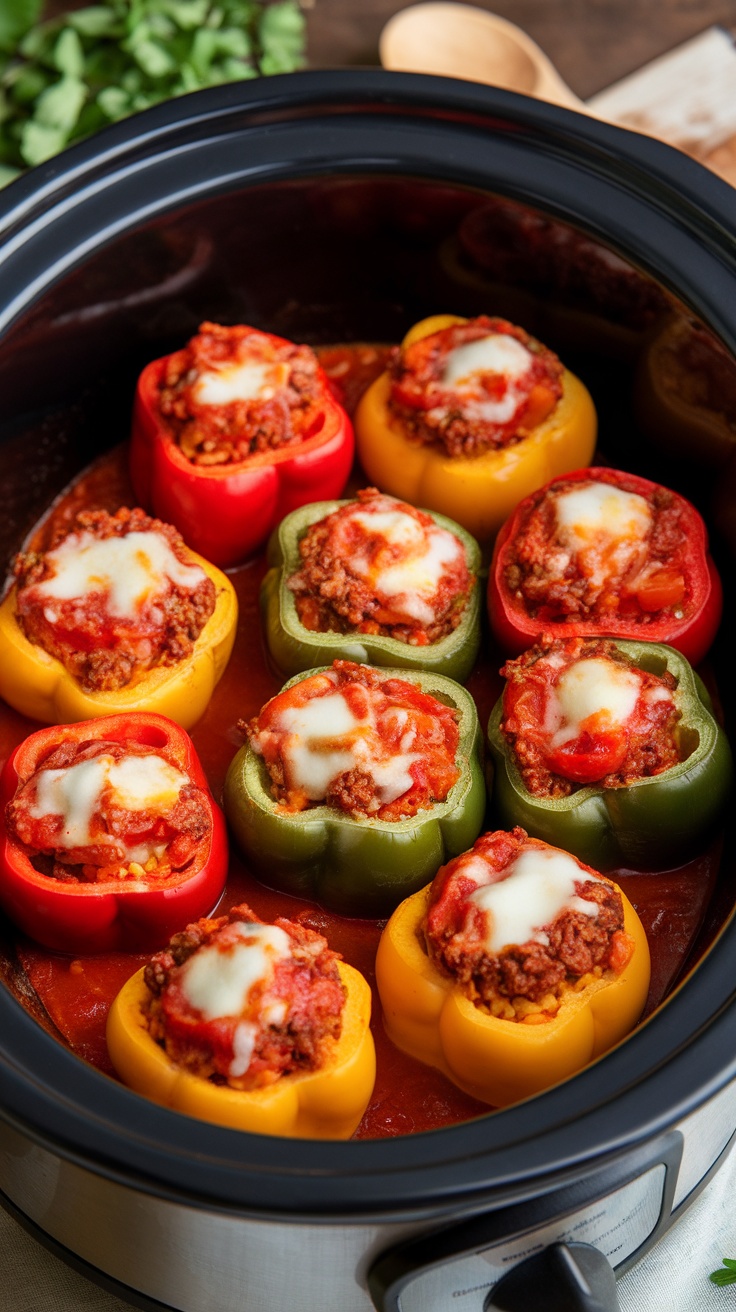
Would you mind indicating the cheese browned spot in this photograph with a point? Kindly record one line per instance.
(113, 597)
(243, 1002)
(370, 746)
(518, 923)
(535, 889)
(378, 565)
(78, 793)
(577, 711)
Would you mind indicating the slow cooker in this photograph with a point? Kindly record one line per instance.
(336, 207)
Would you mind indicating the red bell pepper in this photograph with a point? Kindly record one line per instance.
(225, 512)
(110, 913)
(679, 604)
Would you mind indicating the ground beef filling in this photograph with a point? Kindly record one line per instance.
(523, 982)
(557, 582)
(489, 411)
(292, 1012)
(375, 747)
(286, 411)
(102, 649)
(604, 752)
(145, 844)
(338, 587)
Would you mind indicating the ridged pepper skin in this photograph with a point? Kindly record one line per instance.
(358, 867)
(114, 915)
(295, 648)
(692, 634)
(39, 686)
(324, 1104)
(478, 491)
(499, 1061)
(227, 512)
(653, 823)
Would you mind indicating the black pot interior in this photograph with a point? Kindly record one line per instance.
(353, 249)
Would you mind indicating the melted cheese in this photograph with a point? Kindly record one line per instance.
(409, 571)
(247, 380)
(602, 520)
(137, 783)
(539, 885)
(597, 689)
(326, 739)
(495, 354)
(217, 982)
(130, 570)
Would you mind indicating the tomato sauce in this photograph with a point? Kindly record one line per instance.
(72, 996)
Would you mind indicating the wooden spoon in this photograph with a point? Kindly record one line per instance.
(462, 41)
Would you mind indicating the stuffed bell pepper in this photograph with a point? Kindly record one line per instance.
(471, 416)
(517, 967)
(373, 580)
(258, 1027)
(356, 784)
(232, 433)
(610, 749)
(116, 615)
(112, 839)
(601, 551)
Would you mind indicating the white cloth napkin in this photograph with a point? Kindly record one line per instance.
(672, 1278)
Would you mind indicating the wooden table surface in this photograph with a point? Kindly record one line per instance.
(592, 42)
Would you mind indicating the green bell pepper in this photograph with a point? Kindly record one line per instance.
(358, 867)
(295, 648)
(650, 824)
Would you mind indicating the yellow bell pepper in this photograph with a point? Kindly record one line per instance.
(478, 491)
(499, 1061)
(324, 1104)
(39, 686)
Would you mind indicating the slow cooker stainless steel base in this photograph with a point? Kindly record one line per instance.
(327, 206)
(193, 1259)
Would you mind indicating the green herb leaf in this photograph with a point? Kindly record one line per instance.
(59, 106)
(114, 102)
(725, 1275)
(153, 58)
(68, 53)
(188, 14)
(8, 174)
(16, 18)
(39, 142)
(95, 21)
(64, 78)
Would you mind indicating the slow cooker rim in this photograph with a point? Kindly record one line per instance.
(42, 1114)
(653, 170)
(47, 1093)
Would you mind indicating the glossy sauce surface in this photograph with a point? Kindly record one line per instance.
(408, 1096)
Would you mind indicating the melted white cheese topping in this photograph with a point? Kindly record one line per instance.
(497, 353)
(539, 886)
(326, 739)
(595, 688)
(247, 380)
(217, 982)
(137, 783)
(408, 571)
(131, 570)
(611, 526)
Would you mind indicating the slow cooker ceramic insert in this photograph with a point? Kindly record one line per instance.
(343, 207)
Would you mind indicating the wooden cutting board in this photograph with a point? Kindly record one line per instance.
(686, 97)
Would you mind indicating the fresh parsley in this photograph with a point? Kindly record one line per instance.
(63, 79)
(725, 1275)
